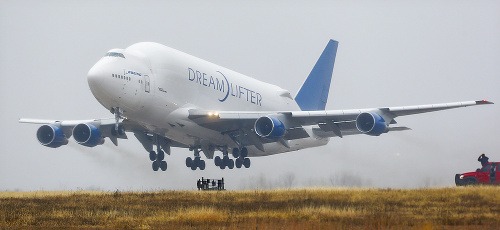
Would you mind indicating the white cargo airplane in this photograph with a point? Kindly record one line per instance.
(168, 98)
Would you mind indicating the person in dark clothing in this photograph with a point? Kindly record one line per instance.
(483, 159)
(198, 184)
(213, 183)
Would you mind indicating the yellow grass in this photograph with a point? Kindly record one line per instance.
(471, 207)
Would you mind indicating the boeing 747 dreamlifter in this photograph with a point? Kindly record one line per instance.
(168, 98)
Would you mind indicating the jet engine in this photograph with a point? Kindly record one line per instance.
(371, 124)
(87, 135)
(51, 136)
(269, 127)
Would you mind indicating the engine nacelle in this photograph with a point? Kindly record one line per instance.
(371, 124)
(269, 127)
(51, 136)
(87, 135)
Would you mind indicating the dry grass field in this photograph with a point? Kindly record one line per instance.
(457, 208)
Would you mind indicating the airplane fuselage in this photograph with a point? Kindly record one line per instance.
(156, 86)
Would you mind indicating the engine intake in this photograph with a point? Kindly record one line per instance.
(269, 127)
(87, 135)
(51, 136)
(371, 124)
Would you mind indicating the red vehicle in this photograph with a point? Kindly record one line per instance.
(488, 174)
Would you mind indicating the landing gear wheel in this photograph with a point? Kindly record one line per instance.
(195, 163)
(217, 161)
(163, 166)
(156, 165)
(201, 164)
(152, 155)
(189, 162)
(223, 162)
(236, 153)
(160, 156)
(246, 162)
(244, 152)
(230, 164)
(238, 162)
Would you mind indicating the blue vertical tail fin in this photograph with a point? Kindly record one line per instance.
(313, 94)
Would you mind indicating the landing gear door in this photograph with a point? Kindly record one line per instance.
(147, 85)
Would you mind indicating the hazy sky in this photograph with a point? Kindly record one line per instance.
(391, 53)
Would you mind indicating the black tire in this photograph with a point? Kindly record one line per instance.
(230, 164)
(163, 166)
(238, 162)
(236, 153)
(201, 165)
(152, 155)
(246, 162)
(223, 162)
(217, 161)
(160, 156)
(156, 165)
(189, 162)
(470, 181)
(244, 152)
(195, 163)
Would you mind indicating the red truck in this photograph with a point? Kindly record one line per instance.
(488, 174)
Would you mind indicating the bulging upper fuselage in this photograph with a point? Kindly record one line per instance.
(156, 86)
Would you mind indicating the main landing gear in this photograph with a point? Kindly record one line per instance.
(197, 162)
(240, 156)
(158, 157)
(240, 159)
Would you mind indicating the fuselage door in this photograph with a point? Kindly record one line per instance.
(147, 86)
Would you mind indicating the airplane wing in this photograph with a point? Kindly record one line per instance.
(54, 133)
(257, 127)
(66, 128)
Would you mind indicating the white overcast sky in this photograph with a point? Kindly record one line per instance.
(391, 53)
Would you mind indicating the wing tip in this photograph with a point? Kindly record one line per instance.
(484, 102)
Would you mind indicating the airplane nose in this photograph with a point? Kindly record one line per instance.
(95, 75)
(96, 79)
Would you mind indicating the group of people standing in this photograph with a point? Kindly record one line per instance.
(210, 184)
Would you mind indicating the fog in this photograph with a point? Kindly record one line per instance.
(391, 53)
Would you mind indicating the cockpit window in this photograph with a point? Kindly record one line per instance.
(115, 54)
